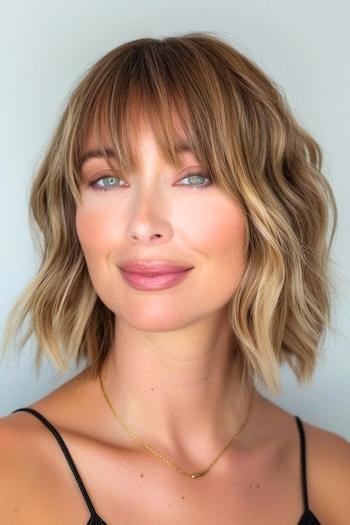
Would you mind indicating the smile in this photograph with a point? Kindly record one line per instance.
(154, 281)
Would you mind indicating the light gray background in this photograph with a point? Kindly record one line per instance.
(46, 45)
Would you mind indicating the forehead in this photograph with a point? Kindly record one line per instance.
(99, 143)
(97, 137)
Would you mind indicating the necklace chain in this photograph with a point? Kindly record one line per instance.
(170, 463)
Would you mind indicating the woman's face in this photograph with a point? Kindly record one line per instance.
(160, 214)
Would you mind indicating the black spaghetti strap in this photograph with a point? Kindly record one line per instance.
(95, 519)
(303, 462)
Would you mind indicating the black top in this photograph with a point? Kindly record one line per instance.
(307, 518)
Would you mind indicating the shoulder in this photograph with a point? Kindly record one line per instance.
(15, 432)
(330, 453)
(328, 473)
(21, 441)
(32, 474)
(16, 469)
(327, 463)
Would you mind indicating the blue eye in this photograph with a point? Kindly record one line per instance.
(196, 176)
(112, 181)
(108, 179)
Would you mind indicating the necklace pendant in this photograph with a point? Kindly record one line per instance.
(198, 474)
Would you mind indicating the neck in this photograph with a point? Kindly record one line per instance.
(177, 392)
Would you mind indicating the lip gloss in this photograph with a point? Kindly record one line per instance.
(158, 281)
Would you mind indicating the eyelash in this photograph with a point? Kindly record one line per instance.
(192, 174)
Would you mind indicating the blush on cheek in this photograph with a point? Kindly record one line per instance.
(227, 234)
(223, 226)
(93, 230)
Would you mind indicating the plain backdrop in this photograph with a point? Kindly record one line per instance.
(46, 46)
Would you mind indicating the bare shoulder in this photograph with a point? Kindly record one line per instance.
(327, 463)
(30, 473)
(14, 433)
(330, 454)
(328, 471)
(16, 472)
(33, 474)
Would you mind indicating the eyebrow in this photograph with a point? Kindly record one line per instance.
(95, 154)
(180, 147)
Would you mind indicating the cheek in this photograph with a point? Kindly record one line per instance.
(217, 231)
(93, 230)
(95, 233)
(215, 227)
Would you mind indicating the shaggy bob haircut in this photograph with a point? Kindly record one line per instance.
(241, 128)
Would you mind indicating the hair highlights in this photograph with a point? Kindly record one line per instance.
(241, 127)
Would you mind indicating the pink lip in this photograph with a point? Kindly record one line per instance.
(159, 281)
(152, 267)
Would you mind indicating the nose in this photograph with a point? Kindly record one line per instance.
(149, 222)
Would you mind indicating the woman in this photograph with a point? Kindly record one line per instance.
(181, 261)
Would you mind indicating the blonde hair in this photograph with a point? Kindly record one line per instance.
(240, 126)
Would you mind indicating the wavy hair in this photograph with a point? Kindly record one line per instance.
(239, 124)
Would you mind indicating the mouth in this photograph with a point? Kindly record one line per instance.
(154, 281)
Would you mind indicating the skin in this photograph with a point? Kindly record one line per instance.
(171, 361)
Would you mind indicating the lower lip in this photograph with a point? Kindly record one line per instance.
(154, 282)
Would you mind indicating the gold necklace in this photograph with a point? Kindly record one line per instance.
(170, 463)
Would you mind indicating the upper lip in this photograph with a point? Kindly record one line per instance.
(148, 267)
